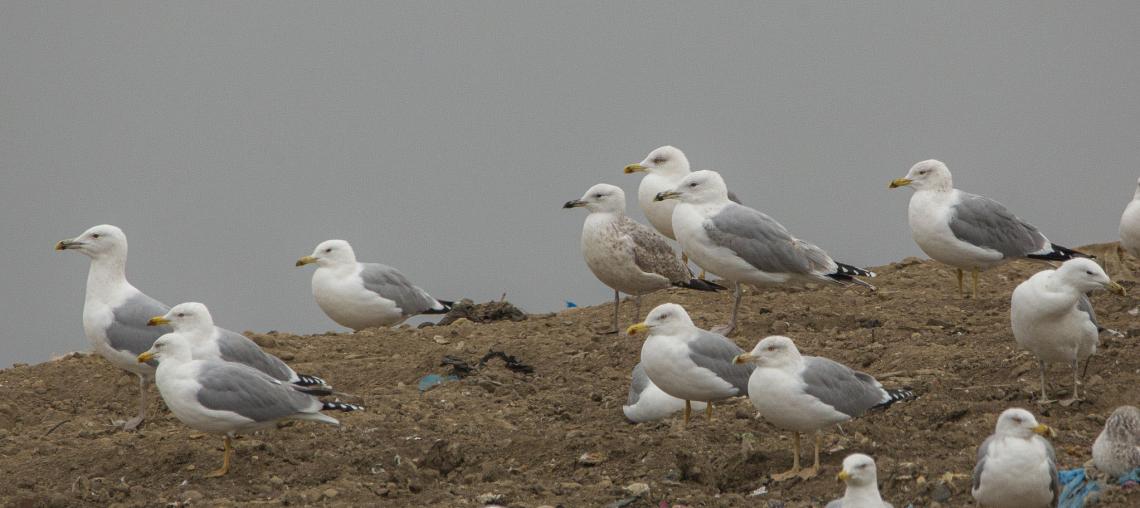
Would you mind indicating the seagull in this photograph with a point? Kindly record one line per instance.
(625, 255)
(1052, 317)
(967, 231)
(1016, 467)
(1130, 224)
(862, 484)
(687, 362)
(647, 402)
(228, 398)
(114, 312)
(809, 393)
(1116, 450)
(664, 169)
(193, 321)
(362, 295)
(743, 245)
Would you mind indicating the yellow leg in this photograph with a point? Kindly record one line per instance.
(229, 450)
(974, 274)
(708, 411)
(688, 411)
(811, 473)
(795, 470)
(961, 290)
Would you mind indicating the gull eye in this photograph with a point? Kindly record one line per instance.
(94, 235)
(1088, 272)
(693, 184)
(599, 195)
(659, 160)
(181, 314)
(328, 249)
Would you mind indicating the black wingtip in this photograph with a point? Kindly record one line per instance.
(446, 308)
(340, 406)
(898, 395)
(845, 274)
(1060, 253)
(701, 285)
(307, 380)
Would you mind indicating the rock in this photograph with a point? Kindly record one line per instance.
(489, 498)
(330, 493)
(440, 340)
(637, 489)
(590, 459)
(191, 496)
(940, 493)
(276, 480)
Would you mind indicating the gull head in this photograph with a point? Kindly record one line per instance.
(102, 241)
(666, 160)
(926, 175)
(703, 186)
(330, 253)
(859, 470)
(1085, 275)
(1136, 193)
(1124, 425)
(776, 351)
(184, 317)
(602, 197)
(664, 319)
(167, 347)
(1017, 422)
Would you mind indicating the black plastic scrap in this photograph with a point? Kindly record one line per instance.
(460, 368)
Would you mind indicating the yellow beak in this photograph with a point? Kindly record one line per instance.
(638, 328)
(1044, 430)
(742, 358)
(306, 260)
(900, 182)
(60, 246)
(146, 357)
(158, 321)
(662, 196)
(1116, 288)
(842, 476)
(634, 168)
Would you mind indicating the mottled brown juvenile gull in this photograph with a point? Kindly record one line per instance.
(647, 403)
(1116, 450)
(363, 295)
(1016, 467)
(192, 320)
(228, 398)
(809, 393)
(862, 479)
(743, 245)
(687, 362)
(114, 312)
(626, 255)
(967, 231)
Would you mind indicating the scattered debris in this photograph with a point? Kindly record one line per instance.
(482, 312)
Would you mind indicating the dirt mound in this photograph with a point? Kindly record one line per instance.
(556, 436)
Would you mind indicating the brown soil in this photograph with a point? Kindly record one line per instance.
(518, 438)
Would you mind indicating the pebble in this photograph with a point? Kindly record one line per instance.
(490, 497)
(589, 459)
(637, 489)
(440, 340)
(192, 495)
(330, 493)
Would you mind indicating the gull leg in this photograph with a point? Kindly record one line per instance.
(229, 450)
(1076, 382)
(144, 400)
(974, 275)
(636, 309)
(1085, 371)
(814, 471)
(961, 290)
(727, 329)
(1044, 396)
(617, 304)
(795, 470)
(708, 410)
(688, 411)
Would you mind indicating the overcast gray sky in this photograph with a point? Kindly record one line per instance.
(229, 138)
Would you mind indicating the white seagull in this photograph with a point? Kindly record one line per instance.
(363, 295)
(809, 393)
(664, 169)
(192, 320)
(1052, 317)
(859, 473)
(626, 255)
(967, 231)
(647, 402)
(687, 362)
(743, 245)
(114, 312)
(1130, 224)
(228, 398)
(1116, 450)
(1016, 467)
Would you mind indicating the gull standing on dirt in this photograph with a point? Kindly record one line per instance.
(809, 393)
(743, 245)
(967, 231)
(363, 295)
(1052, 317)
(193, 322)
(1130, 224)
(664, 169)
(862, 484)
(1116, 450)
(114, 312)
(649, 403)
(1016, 467)
(229, 398)
(626, 255)
(687, 362)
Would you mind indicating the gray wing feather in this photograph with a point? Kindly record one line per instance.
(1054, 480)
(250, 393)
(391, 284)
(652, 253)
(715, 352)
(1085, 305)
(765, 243)
(128, 330)
(638, 383)
(848, 391)
(732, 197)
(236, 347)
(980, 466)
(981, 221)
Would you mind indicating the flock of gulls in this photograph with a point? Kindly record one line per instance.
(218, 381)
